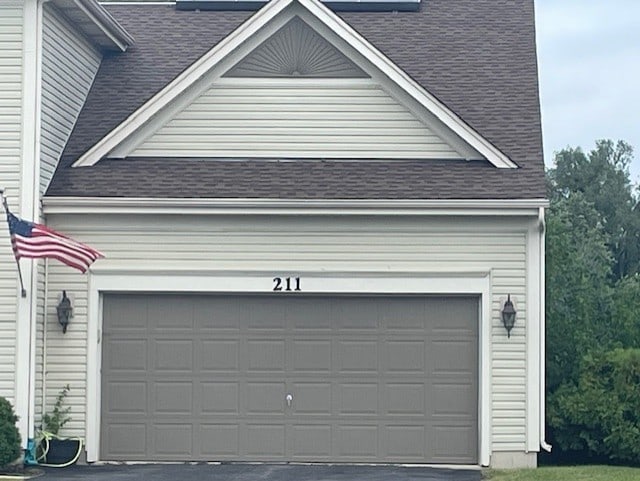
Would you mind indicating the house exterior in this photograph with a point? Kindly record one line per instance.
(312, 216)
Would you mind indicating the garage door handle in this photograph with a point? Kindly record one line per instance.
(289, 399)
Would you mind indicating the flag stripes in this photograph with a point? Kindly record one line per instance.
(35, 241)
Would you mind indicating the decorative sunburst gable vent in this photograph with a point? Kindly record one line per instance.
(296, 50)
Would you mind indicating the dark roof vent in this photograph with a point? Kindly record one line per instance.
(335, 5)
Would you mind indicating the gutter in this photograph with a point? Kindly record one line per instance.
(133, 205)
(105, 22)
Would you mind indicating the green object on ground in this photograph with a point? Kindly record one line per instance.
(565, 473)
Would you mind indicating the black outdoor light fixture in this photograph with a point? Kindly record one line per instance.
(65, 311)
(508, 315)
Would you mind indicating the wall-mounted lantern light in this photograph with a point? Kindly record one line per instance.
(508, 315)
(65, 311)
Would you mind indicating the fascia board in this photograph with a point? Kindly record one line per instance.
(136, 120)
(117, 205)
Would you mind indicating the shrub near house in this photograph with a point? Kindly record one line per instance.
(9, 436)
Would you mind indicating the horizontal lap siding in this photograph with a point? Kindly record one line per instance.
(348, 120)
(11, 59)
(298, 244)
(69, 65)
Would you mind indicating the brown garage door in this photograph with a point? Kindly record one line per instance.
(300, 378)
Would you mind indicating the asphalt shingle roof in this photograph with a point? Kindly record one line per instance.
(477, 56)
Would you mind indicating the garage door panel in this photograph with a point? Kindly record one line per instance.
(221, 315)
(220, 397)
(177, 316)
(310, 356)
(266, 355)
(405, 399)
(300, 318)
(265, 397)
(126, 397)
(353, 314)
(406, 356)
(310, 440)
(453, 400)
(373, 379)
(219, 355)
(173, 356)
(413, 317)
(265, 313)
(125, 354)
(357, 441)
(452, 444)
(125, 439)
(219, 441)
(454, 356)
(312, 398)
(357, 356)
(265, 441)
(357, 398)
(172, 397)
(129, 313)
(172, 440)
(405, 441)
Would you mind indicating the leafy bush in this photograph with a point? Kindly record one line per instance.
(600, 416)
(9, 435)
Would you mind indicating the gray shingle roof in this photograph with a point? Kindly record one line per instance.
(477, 56)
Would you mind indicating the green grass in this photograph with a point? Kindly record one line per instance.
(565, 473)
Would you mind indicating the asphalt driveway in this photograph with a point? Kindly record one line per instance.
(253, 472)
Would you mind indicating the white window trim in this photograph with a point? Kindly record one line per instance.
(101, 282)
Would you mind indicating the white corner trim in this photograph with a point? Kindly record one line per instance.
(477, 283)
(168, 205)
(225, 47)
(29, 208)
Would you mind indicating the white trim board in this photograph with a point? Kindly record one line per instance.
(275, 13)
(478, 283)
(168, 205)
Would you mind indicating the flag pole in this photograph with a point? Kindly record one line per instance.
(23, 291)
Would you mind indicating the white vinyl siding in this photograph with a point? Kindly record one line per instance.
(69, 65)
(288, 244)
(11, 59)
(348, 118)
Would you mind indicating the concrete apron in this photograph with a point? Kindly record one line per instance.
(255, 472)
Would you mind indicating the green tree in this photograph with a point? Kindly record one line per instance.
(602, 177)
(593, 301)
(578, 266)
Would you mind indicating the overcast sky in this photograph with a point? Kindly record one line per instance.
(589, 56)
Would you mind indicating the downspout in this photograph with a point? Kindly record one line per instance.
(44, 337)
(39, 40)
(542, 227)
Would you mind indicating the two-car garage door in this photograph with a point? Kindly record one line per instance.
(290, 378)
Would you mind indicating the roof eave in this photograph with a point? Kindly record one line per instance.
(181, 206)
(96, 23)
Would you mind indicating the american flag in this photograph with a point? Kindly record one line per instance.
(34, 241)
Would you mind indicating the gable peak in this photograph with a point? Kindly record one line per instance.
(296, 50)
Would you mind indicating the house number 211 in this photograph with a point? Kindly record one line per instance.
(286, 284)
